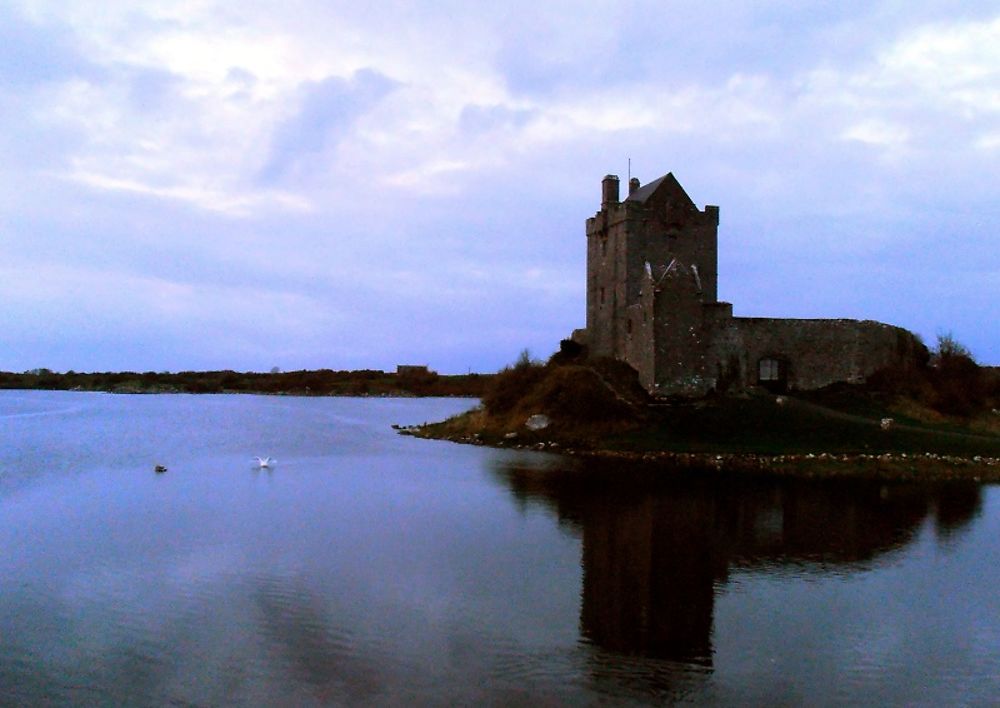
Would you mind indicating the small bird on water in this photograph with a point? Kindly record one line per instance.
(265, 462)
(160, 469)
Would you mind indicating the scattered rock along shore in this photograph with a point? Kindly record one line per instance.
(900, 466)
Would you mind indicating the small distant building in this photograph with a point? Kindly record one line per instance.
(652, 301)
(412, 370)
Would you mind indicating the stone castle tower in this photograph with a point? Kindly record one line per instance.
(652, 301)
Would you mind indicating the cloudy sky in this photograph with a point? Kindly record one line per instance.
(313, 183)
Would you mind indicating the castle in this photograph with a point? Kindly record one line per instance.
(652, 301)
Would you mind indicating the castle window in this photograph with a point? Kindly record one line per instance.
(604, 247)
(628, 326)
(602, 296)
(772, 374)
(769, 370)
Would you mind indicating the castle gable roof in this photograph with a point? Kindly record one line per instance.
(666, 189)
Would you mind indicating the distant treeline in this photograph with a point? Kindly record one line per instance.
(322, 382)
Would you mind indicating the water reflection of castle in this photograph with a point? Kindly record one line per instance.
(656, 547)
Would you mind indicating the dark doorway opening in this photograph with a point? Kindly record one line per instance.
(772, 374)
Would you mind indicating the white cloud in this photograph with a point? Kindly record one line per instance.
(426, 178)
(937, 85)
(878, 133)
(232, 204)
(952, 60)
(989, 142)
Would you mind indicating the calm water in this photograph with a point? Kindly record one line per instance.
(369, 568)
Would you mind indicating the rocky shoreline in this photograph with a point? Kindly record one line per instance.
(888, 466)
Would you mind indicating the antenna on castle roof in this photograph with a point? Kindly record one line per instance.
(630, 169)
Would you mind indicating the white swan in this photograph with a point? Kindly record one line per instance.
(265, 462)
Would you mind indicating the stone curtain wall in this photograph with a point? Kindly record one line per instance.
(818, 353)
(695, 356)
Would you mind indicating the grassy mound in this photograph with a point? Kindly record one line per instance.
(584, 403)
(951, 385)
(572, 396)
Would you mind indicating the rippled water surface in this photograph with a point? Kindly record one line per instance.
(369, 568)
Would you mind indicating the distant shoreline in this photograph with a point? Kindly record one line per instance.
(292, 394)
(415, 382)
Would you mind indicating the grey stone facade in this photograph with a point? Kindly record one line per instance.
(652, 288)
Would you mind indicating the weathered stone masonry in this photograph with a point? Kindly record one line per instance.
(652, 288)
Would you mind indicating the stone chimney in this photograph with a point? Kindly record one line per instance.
(633, 186)
(609, 190)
